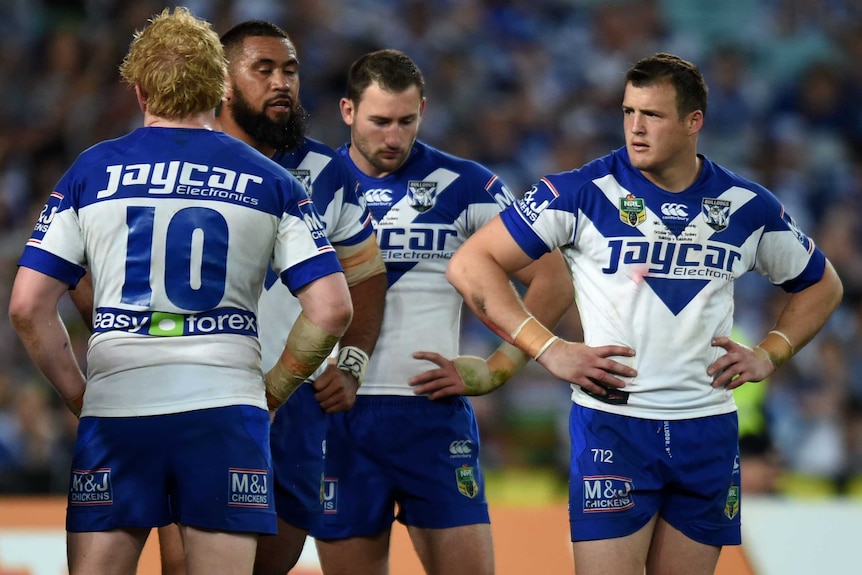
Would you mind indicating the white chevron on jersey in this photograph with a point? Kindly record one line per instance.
(423, 311)
(655, 270)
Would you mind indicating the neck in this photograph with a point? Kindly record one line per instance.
(226, 124)
(677, 178)
(201, 121)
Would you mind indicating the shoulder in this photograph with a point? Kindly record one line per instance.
(426, 152)
(614, 164)
(107, 149)
(316, 146)
(470, 170)
(726, 179)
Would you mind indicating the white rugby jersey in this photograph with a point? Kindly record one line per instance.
(345, 218)
(654, 270)
(422, 213)
(178, 227)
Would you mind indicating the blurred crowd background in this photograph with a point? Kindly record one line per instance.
(527, 87)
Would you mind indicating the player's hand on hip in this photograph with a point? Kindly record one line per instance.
(589, 367)
(444, 381)
(335, 389)
(739, 365)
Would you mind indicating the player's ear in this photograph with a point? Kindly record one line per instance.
(695, 121)
(348, 109)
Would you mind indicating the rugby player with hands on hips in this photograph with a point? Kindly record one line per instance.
(654, 483)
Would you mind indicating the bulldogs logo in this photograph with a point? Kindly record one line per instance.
(422, 195)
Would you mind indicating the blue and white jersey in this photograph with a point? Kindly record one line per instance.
(422, 213)
(346, 221)
(178, 228)
(654, 270)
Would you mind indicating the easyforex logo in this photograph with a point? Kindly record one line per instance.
(166, 324)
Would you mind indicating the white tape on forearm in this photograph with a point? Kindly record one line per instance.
(783, 336)
(532, 337)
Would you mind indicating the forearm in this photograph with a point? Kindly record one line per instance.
(359, 340)
(326, 314)
(487, 291)
(47, 343)
(307, 346)
(33, 314)
(550, 290)
(368, 297)
(804, 315)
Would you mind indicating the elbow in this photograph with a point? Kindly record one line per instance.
(454, 272)
(339, 310)
(838, 293)
(326, 303)
(836, 287)
(20, 314)
(342, 316)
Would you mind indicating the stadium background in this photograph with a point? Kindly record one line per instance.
(527, 87)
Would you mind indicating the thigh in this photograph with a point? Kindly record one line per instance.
(120, 474)
(703, 498)
(465, 550)
(171, 551)
(297, 441)
(439, 480)
(217, 553)
(116, 551)
(355, 555)
(625, 555)
(277, 554)
(222, 470)
(618, 474)
(358, 489)
(673, 552)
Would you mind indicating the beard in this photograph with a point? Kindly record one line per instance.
(283, 134)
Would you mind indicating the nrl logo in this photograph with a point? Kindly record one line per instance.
(632, 210)
(304, 177)
(421, 195)
(467, 484)
(716, 213)
(731, 504)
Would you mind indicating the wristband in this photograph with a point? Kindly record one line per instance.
(354, 361)
(783, 336)
(778, 348)
(533, 338)
(483, 376)
(280, 383)
(505, 361)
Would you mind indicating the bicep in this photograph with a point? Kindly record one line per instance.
(494, 243)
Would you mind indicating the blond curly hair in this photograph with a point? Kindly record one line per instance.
(179, 63)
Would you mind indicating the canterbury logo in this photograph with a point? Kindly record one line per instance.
(461, 447)
(378, 196)
(674, 210)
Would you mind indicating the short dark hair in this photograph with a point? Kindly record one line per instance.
(691, 90)
(392, 69)
(233, 39)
